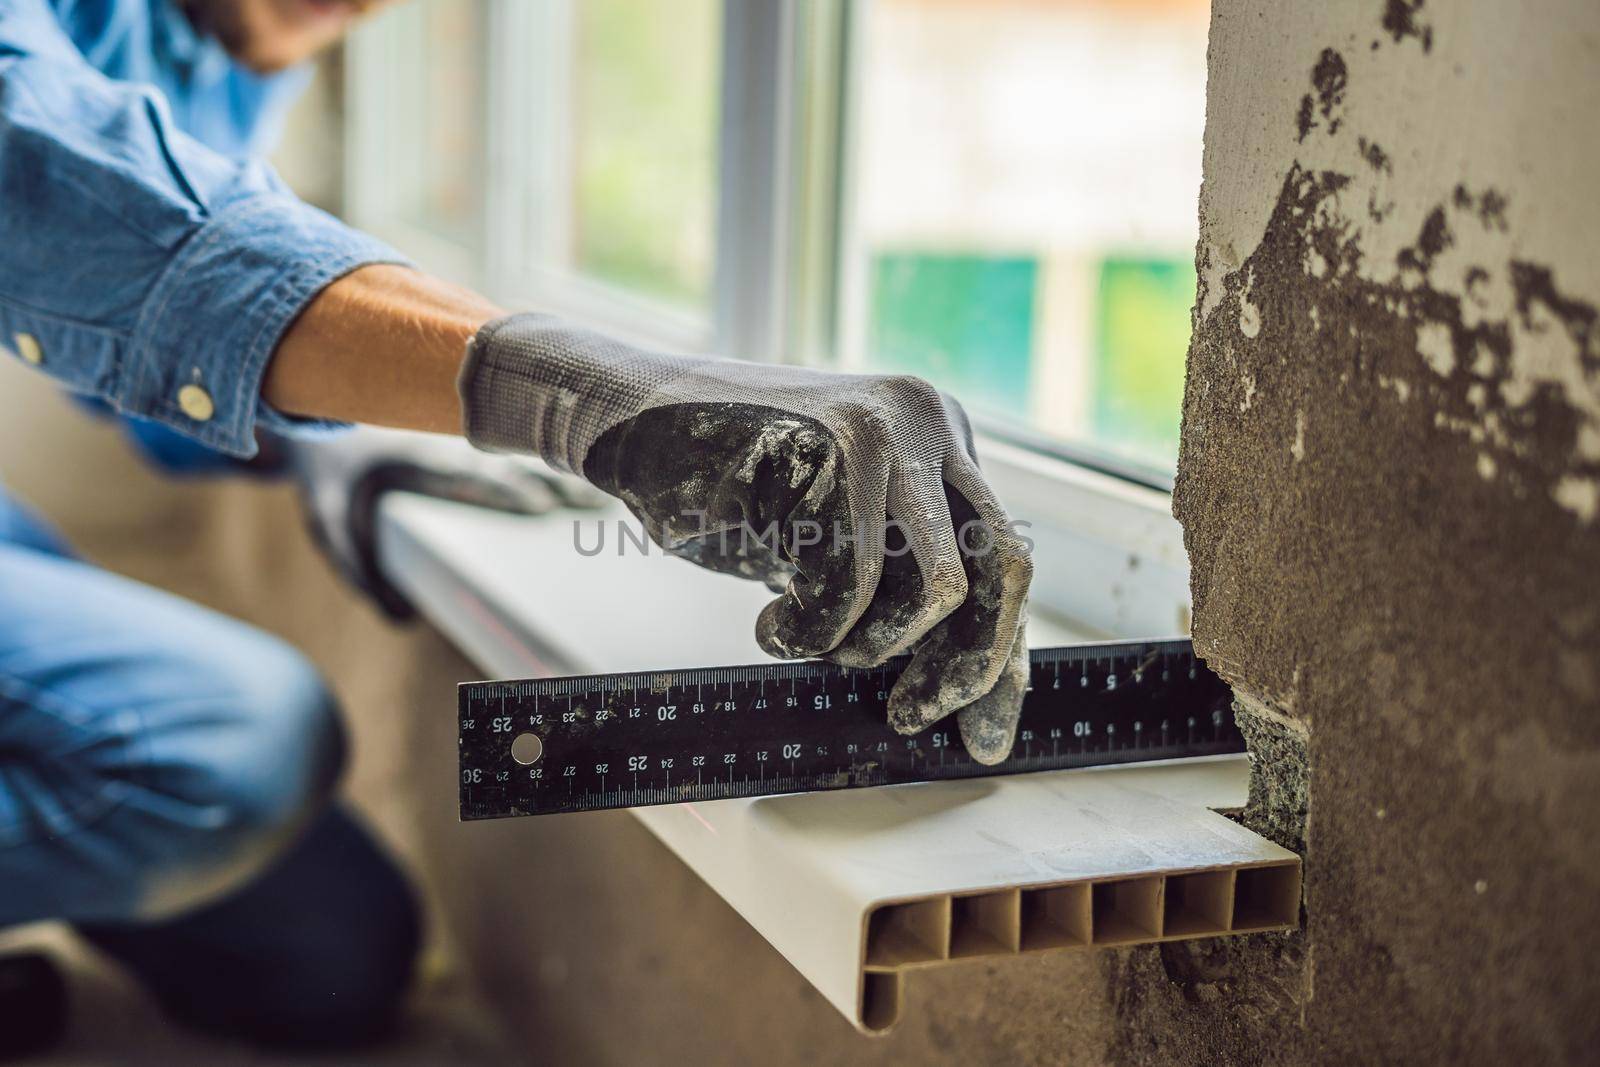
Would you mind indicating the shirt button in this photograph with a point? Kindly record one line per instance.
(196, 403)
(28, 348)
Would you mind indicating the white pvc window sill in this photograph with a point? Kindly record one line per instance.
(853, 888)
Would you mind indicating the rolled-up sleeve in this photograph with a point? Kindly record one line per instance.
(136, 265)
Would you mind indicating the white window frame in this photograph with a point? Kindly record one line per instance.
(1109, 556)
(373, 70)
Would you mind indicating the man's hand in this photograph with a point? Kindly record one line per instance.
(861, 493)
(924, 559)
(342, 476)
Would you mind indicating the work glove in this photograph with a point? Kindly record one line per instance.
(858, 495)
(342, 477)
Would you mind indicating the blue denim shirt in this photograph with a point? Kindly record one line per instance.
(143, 248)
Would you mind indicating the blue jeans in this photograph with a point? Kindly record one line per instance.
(165, 783)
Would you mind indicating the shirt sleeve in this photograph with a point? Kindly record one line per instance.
(136, 265)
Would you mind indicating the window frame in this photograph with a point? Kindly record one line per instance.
(1109, 555)
(530, 123)
(371, 137)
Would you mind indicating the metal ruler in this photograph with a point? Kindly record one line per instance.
(544, 746)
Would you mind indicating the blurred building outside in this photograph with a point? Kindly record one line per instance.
(1021, 176)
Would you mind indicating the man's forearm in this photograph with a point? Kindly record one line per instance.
(382, 345)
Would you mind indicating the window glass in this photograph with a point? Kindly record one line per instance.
(644, 145)
(1026, 175)
(434, 117)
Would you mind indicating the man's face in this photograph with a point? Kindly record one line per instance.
(269, 35)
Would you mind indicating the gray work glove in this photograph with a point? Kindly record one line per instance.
(342, 476)
(709, 453)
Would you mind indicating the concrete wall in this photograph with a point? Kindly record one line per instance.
(1390, 489)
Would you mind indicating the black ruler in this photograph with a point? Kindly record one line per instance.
(591, 742)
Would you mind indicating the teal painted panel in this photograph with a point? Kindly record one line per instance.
(1142, 336)
(964, 322)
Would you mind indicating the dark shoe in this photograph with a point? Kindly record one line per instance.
(316, 953)
(33, 1005)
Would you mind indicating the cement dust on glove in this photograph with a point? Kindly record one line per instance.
(857, 495)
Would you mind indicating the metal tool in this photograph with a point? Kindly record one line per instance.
(591, 742)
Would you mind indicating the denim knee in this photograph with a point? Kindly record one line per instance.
(252, 754)
(153, 754)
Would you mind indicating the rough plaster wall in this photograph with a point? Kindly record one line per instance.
(1390, 490)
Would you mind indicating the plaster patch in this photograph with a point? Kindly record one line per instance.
(1486, 294)
(1298, 448)
(1589, 442)
(1249, 313)
(1547, 350)
(1506, 356)
(1249, 319)
(1214, 271)
(1433, 344)
(1400, 387)
(1581, 496)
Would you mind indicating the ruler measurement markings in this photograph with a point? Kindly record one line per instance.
(840, 743)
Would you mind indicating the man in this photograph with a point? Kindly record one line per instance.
(165, 773)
